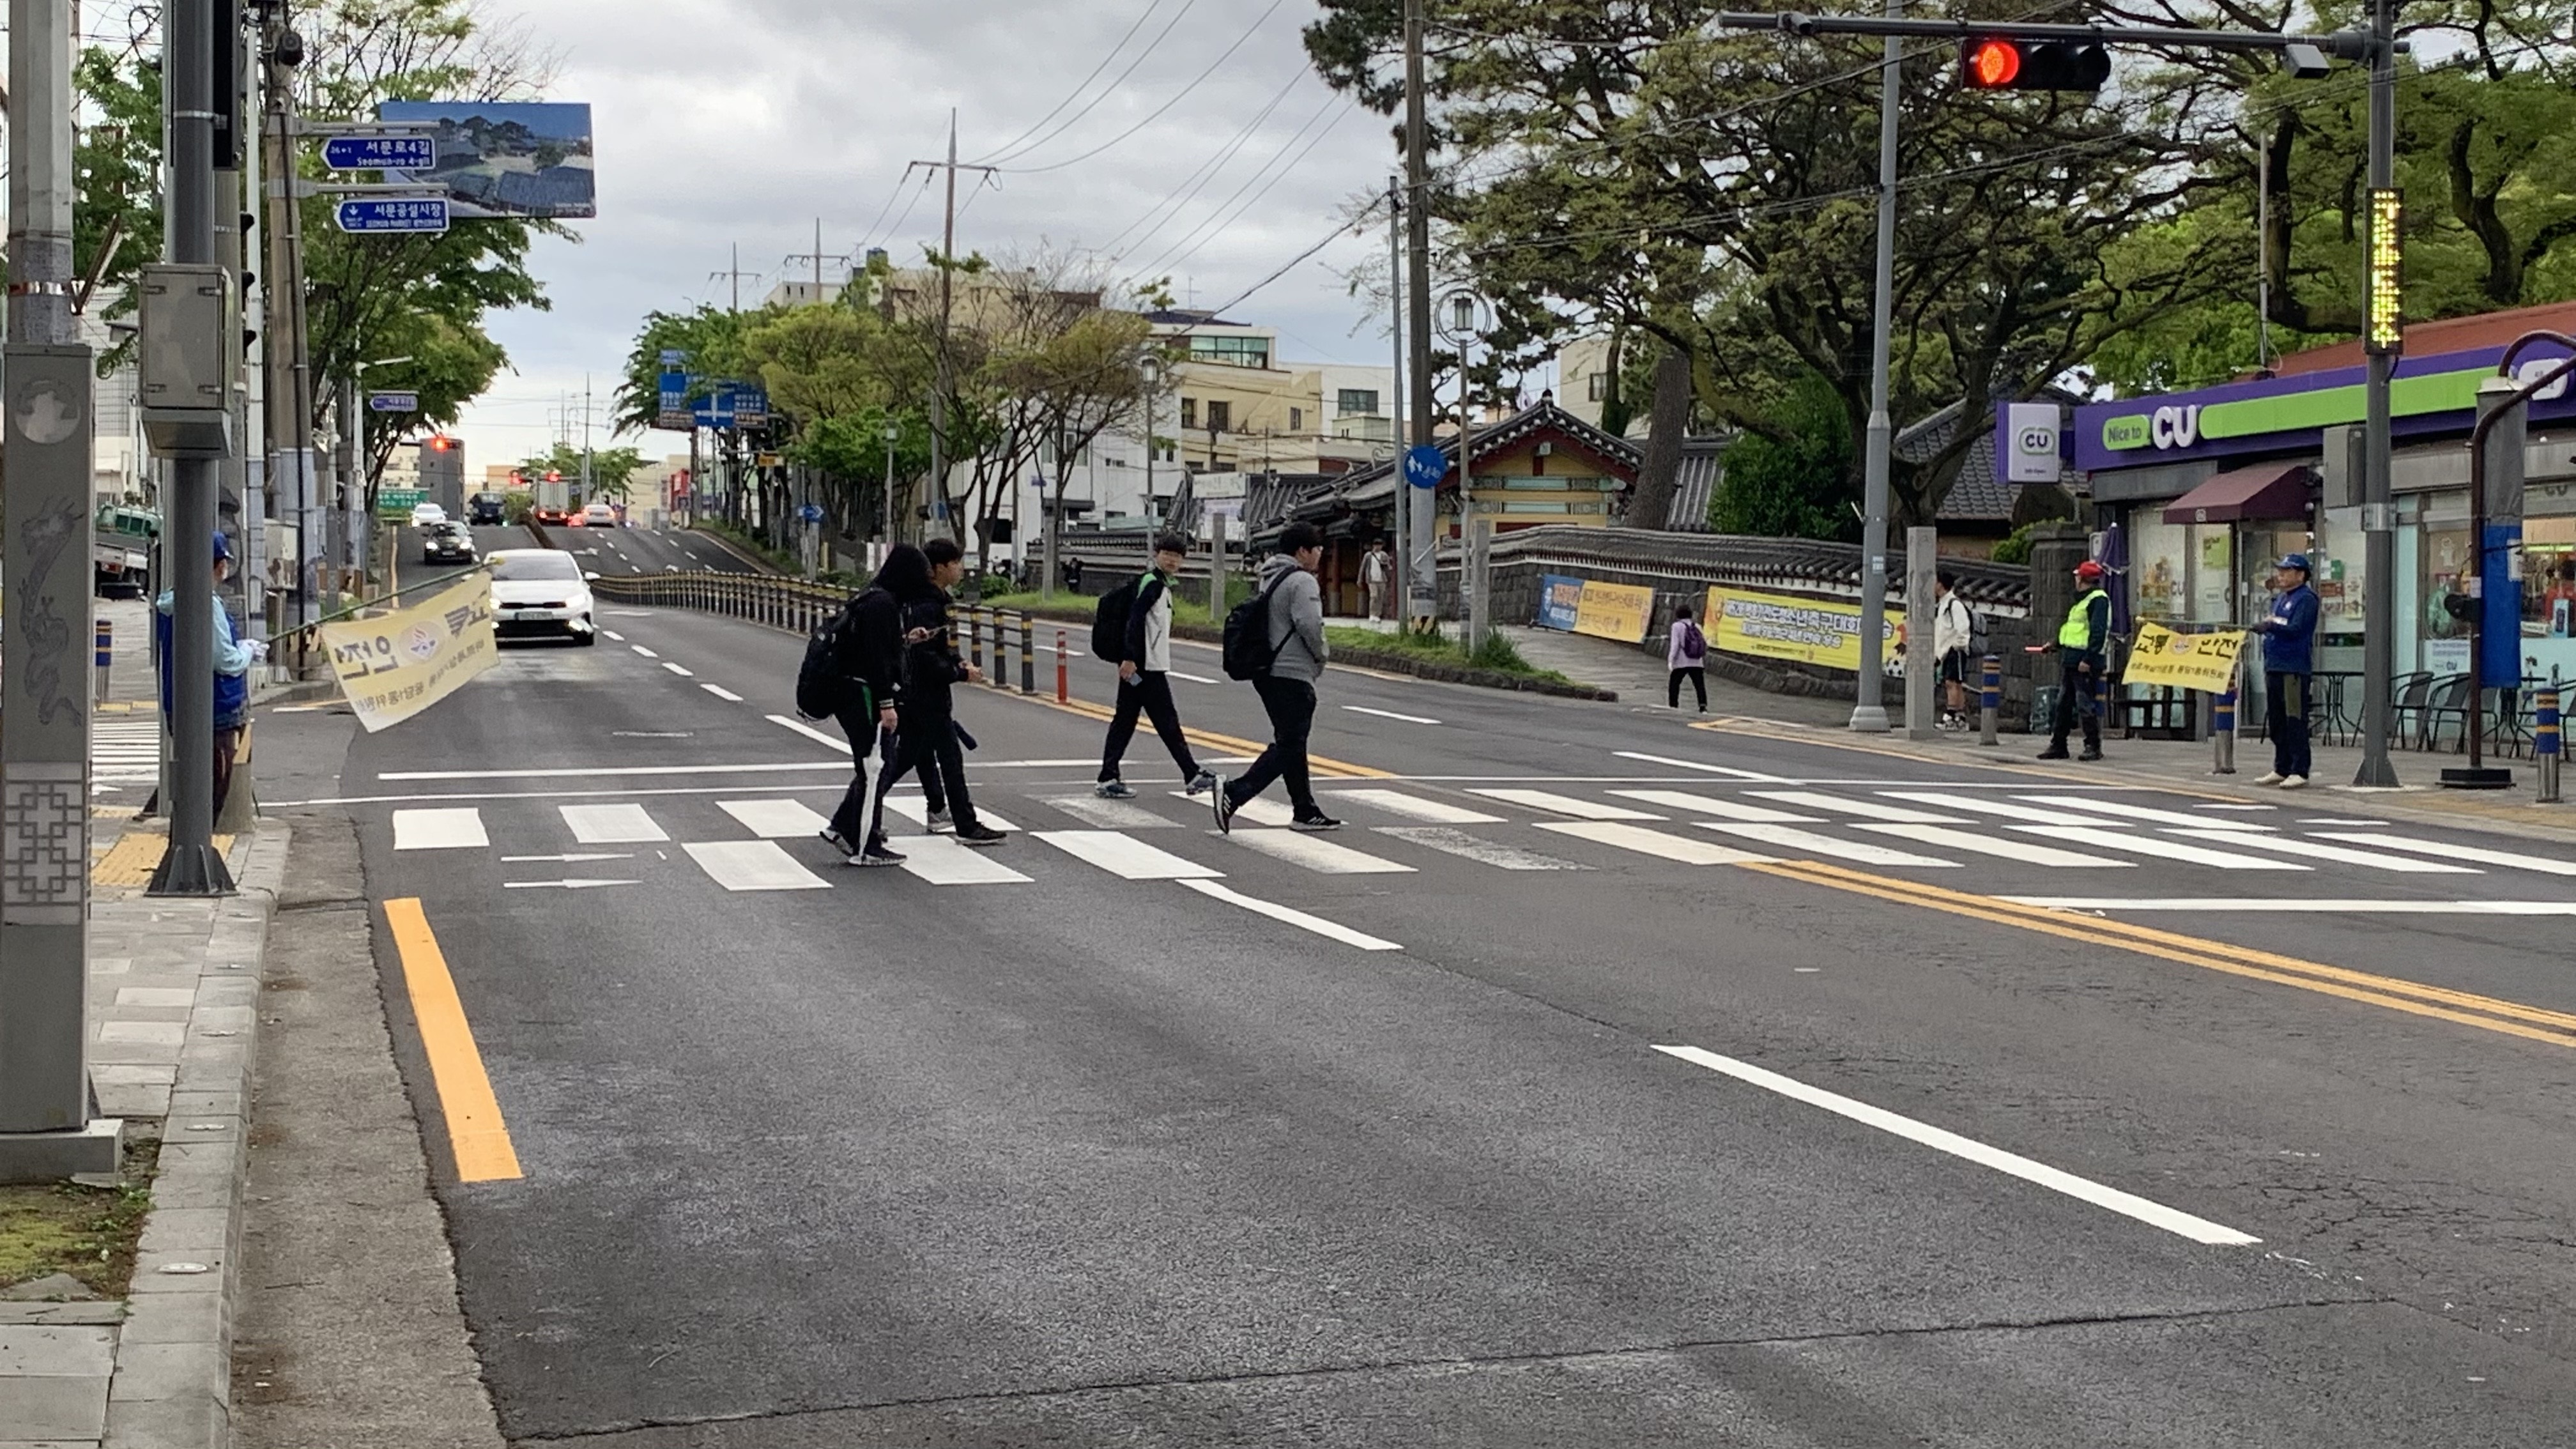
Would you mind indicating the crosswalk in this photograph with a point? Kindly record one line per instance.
(767, 841)
(126, 751)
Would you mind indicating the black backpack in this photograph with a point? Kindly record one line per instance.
(824, 679)
(1248, 650)
(1109, 620)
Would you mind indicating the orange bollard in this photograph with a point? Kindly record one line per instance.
(1063, 690)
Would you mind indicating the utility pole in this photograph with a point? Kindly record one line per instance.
(818, 257)
(2378, 511)
(46, 1130)
(191, 866)
(290, 362)
(1405, 524)
(947, 267)
(1424, 596)
(1869, 711)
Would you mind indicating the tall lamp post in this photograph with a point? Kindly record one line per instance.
(885, 499)
(1152, 369)
(1464, 317)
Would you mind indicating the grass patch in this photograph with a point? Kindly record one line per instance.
(87, 1232)
(1499, 653)
(1068, 603)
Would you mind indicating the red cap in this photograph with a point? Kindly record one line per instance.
(2089, 571)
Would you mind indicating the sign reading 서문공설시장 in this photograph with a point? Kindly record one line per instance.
(1784, 626)
(397, 664)
(2184, 661)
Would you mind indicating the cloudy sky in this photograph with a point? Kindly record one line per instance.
(741, 122)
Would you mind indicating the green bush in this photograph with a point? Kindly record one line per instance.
(2015, 549)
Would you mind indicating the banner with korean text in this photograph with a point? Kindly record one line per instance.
(1786, 626)
(1614, 611)
(1560, 601)
(2184, 661)
(396, 664)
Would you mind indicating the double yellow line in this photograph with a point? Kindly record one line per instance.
(1230, 744)
(2487, 1013)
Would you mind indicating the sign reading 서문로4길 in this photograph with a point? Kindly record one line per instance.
(397, 664)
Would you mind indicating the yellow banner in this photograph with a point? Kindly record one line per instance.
(1784, 626)
(1614, 611)
(395, 665)
(2186, 661)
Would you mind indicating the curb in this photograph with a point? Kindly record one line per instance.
(172, 1384)
(1387, 661)
(758, 564)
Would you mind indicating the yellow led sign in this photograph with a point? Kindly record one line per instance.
(2384, 326)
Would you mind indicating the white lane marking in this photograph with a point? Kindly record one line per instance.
(440, 829)
(1689, 803)
(1696, 765)
(1980, 805)
(1390, 714)
(1565, 805)
(1256, 810)
(753, 865)
(1111, 814)
(576, 884)
(1656, 843)
(808, 731)
(573, 858)
(2129, 1205)
(584, 772)
(2338, 821)
(2146, 813)
(610, 824)
(1315, 853)
(1332, 930)
(2004, 846)
(676, 669)
(2219, 806)
(2287, 845)
(720, 692)
(1865, 809)
(940, 860)
(613, 636)
(640, 649)
(2478, 853)
(1795, 842)
(1484, 852)
(774, 819)
(1194, 678)
(1122, 856)
(1414, 807)
(2160, 849)
(917, 810)
(2298, 906)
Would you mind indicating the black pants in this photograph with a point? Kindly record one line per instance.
(858, 820)
(1151, 692)
(928, 742)
(934, 796)
(2287, 700)
(2075, 686)
(1697, 674)
(1290, 703)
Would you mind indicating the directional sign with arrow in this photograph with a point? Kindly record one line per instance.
(393, 402)
(392, 214)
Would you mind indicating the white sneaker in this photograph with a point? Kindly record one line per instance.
(2294, 782)
(2269, 777)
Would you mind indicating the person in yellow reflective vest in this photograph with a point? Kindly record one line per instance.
(2081, 642)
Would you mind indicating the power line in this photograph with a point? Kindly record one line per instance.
(1207, 170)
(1217, 221)
(1158, 111)
(996, 153)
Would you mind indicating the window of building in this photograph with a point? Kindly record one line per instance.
(1296, 420)
(1597, 387)
(1230, 351)
(1220, 416)
(1189, 412)
(1357, 400)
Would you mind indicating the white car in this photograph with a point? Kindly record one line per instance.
(598, 515)
(425, 514)
(541, 591)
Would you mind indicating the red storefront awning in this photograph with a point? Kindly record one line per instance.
(2266, 490)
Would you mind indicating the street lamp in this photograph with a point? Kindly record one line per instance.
(885, 500)
(1152, 371)
(1465, 317)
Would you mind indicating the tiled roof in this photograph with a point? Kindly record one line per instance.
(2431, 339)
(1377, 482)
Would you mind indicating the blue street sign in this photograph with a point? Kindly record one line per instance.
(393, 402)
(379, 153)
(811, 513)
(1425, 465)
(392, 214)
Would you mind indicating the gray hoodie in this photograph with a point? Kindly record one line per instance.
(1296, 619)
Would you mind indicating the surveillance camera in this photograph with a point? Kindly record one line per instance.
(288, 51)
(2305, 62)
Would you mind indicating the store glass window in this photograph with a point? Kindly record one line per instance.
(2549, 578)
(2213, 576)
(2445, 565)
(2160, 568)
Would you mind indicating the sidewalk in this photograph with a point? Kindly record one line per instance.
(1640, 678)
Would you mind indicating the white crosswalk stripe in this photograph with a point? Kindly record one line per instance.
(2399, 864)
(1103, 814)
(1680, 849)
(2082, 804)
(774, 819)
(1864, 809)
(917, 810)
(2110, 839)
(753, 865)
(1687, 803)
(611, 824)
(440, 829)
(1793, 841)
(1256, 810)
(1415, 807)
(2004, 846)
(125, 751)
(940, 860)
(1121, 855)
(1980, 804)
(1468, 847)
(1556, 804)
(2478, 853)
(1317, 854)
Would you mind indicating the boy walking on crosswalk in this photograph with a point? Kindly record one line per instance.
(1144, 659)
(1292, 615)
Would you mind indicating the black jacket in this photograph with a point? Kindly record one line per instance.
(871, 651)
(932, 667)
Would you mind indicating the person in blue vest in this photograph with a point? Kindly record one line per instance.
(2289, 671)
(233, 658)
(2083, 642)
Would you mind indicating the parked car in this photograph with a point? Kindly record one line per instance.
(425, 513)
(487, 510)
(599, 515)
(446, 543)
(541, 591)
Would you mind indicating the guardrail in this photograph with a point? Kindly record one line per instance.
(798, 607)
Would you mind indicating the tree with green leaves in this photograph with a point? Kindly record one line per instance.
(116, 166)
(612, 470)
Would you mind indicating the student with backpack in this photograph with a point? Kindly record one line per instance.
(853, 672)
(1686, 655)
(1276, 640)
(1958, 636)
(926, 734)
(1132, 628)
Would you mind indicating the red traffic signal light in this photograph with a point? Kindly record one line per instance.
(439, 443)
(553, 477)
(1993, 63)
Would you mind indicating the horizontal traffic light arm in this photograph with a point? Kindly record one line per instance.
(2342, 44)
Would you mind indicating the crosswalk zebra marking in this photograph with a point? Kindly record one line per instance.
(1565, 805)
(917, 810)
(1687, 803)
(1468, 847)
(442, 829)
(1105, 814)
(1979, 804)
(1122, 855)
(1415, 807)
(2009, 849)
(2148, 813)
(1256, 810)
(1794, 841)
(2110, 839)
(2478, 853)
(774, 819)
(1865, 809)
(753, 865)
(1316, 853)
(611, 824)
(1680, 849)
(2315, 851)
(942, 861)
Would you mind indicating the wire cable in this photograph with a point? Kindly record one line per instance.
(1197, 238)
(1139, 24)
(1105, 93)
(1157, 113)
(1206, 171)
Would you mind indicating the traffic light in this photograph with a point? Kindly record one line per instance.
(1991, 63)
(438, 443)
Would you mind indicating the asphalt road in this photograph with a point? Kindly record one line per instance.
(1750, 1109)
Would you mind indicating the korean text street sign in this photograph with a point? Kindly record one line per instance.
(392, 214)
(379, 153)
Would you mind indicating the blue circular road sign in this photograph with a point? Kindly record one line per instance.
(1425, 465)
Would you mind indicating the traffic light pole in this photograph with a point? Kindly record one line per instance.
(2378, 512)
(1869, 708)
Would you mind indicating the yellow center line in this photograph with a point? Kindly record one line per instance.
(475, 1131)
(2414, 998)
